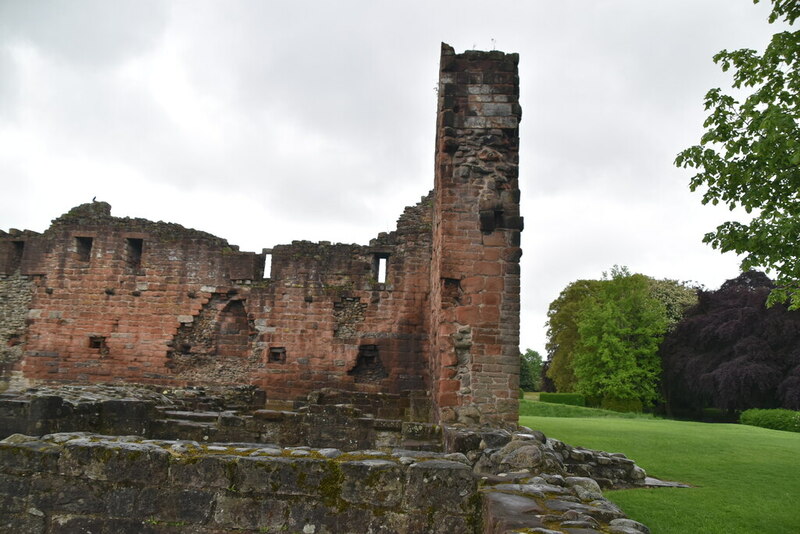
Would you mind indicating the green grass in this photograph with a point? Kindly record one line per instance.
(549, 409)
(746, 479)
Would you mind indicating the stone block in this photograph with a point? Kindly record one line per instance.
(234, 511)
(74, 496)
(27, 459)
(179, 505)
(114, 461)
(100, 525)
(23, 523)
(442, 484)
(291, 476)
(203, 471)
(372, 482)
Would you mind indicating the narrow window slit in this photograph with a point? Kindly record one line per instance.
(83, 246)
(380, 267)
(134, 252)
(267, 265)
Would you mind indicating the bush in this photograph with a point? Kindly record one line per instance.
(571, 399)
(621, 405)
(777, 419)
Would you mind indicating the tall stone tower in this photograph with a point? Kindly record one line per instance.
(474, 319)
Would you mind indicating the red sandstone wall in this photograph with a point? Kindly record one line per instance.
(476, 240)
(109, 312)
(183, 307)
(325, 306)
(133, 300)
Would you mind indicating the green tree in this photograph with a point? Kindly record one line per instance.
(530, 370)
(562, 332)
(677, 297)
(619, 332)
(749, 156)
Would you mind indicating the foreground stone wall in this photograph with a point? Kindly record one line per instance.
(196, 460)
(76, 483)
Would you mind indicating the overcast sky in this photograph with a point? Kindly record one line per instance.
(266, 122)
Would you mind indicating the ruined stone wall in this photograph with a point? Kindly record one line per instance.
(111, 293)
(342, 327)
(130, 300)
(474, 322)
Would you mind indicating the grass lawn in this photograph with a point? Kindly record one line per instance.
(746, 479)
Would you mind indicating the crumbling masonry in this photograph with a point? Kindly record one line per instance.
(97, 298)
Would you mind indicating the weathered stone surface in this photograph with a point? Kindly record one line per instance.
(450, 481)
(114, 461)
(103, 483)
(372, 482)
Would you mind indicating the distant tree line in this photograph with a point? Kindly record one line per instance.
(632, 342)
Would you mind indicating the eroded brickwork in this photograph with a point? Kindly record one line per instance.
(119, 299)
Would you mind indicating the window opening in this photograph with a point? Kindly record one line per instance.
(380, 263)
(134, 251)
(83, 246)
(381, 270)
(98, 342)
(498, 218)
(267, 265)
(277, 354)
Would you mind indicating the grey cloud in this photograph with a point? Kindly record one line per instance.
(83, 32)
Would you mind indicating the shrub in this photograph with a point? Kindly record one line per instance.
(572, 399)
(777, 419)
(621, 405)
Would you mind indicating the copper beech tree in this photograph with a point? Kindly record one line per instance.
(732, 352)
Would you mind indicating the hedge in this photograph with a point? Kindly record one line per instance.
(777, 419)
(572, 399)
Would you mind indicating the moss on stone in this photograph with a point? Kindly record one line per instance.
(330, 486)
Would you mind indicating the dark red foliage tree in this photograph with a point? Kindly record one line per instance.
(732, 352)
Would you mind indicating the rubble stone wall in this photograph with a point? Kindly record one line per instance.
(16, 291)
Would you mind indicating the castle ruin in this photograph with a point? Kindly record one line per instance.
(97, 298)
(363, 389)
